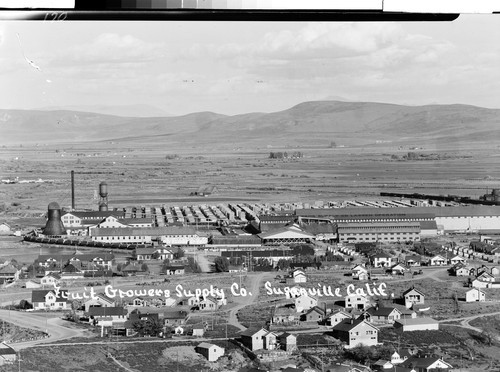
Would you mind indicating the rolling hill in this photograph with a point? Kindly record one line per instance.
(308, 120)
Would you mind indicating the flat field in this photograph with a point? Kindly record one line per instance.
(159, 174)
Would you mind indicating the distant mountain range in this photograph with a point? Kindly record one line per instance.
(138, 111)
(307, 122)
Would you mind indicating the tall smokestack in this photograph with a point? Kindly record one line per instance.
(72, 190)
(54, 225)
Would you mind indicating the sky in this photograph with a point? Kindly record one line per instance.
(240, 67)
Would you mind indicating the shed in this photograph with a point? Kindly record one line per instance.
(210, 351)
(7, 354)
(416, 324)
(475, 294)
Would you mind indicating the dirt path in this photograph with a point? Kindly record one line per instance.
(203, 262)
(119, 364)
(253, 288)
(465, 322)
(54, 326)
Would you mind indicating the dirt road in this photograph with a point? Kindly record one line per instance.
(465, 321)
(54, 326)
(253, 288)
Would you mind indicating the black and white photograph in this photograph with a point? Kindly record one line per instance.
(249, 195)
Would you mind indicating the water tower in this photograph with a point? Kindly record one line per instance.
(103, 196)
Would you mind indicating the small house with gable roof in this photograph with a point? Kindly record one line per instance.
(51, 279)
(437, 260)
(356, 332)
(106, 316)
(412, 297)
(357, 302)
(7, 354)
(48, 300)
(416, 324)
(100, 300)
(430, 364)
(9, 272)
(475, 294)
(305, 302)
(287, 341)
(336, 317)
(210, 351)
(381, 260)
(253, 338)
(379, 314)
(413, 261)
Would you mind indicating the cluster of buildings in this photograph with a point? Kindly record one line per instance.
(118, 315)
(357, 322)
(360, 222)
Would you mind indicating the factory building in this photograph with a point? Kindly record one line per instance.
(86, 219)
(167, 235)
(393, 231)
(287, 235)
(472, 218)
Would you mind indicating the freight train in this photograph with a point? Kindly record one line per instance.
(487, 199)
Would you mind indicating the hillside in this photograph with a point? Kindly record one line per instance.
(311, 120)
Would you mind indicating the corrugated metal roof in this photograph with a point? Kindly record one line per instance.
(107, 311)
(143, 231)
(414, 212)
(96, 214)
(428, 225)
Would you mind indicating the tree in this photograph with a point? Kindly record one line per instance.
(149, 327)
(24, 305)
(179, 254)
(193, 265)
(221, 264)
(283, 264)
(144, 267)
(457, 304)
(487, 336)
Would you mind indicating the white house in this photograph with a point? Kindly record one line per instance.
(458, 259)
(357, 302)
(299, 278)
(475, 294)
(101, 300)
(7, 354)
(4, 228)
(437, 261)
(106, 316)
(47, 300)
(356, 332)
(416, 324)
(305, 302)
(359, 272)
(336, 317)
(427, 364)
(381, 260)
(253, 338)
(412, 297)
(51, 279)
(210, 351)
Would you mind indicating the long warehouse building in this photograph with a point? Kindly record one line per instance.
(471, 218)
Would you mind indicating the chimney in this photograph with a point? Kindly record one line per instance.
(54, 225)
